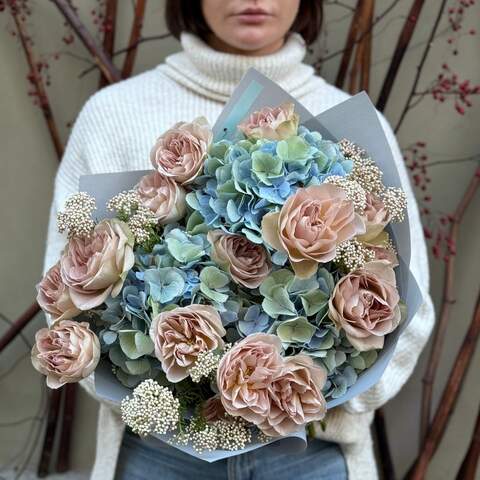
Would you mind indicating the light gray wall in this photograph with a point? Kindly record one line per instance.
(29, 164)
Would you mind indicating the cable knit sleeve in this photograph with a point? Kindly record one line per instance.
(73, 165)
(415, 336)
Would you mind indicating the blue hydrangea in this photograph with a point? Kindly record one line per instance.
(243, 180)
(253, 320)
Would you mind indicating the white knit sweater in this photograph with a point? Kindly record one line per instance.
(115, 131)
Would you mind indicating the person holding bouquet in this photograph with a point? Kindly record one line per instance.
(115, 131)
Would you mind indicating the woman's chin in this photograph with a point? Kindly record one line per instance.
(253, 38)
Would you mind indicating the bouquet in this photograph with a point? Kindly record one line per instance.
(249, 282)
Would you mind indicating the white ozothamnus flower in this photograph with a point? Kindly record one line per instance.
(205, 365)
(153, 409)
(226, 434)
(76, 217)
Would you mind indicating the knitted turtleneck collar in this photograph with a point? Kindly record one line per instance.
(215, 74)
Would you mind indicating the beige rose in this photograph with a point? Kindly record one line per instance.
(383, 249)
(365, 303)
(245, 374)
(96, 266)
(271, 123)
(163, 196)
(180, 152)
(247, 262)
(296, 397)
(310, 225)
(181, 334)
(212, 409)
(375, 216)
(65, 353)
(53, 296)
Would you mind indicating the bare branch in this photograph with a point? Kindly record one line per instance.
(99, 55)
(449, 397)
(127, 49)
(419, 67)
(37, 81)
(399, 52)
(135, 36)
(448, 299)
(109, 33)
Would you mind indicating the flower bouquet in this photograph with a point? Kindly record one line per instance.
(249, 282)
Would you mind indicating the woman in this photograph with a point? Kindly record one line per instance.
(114, 132)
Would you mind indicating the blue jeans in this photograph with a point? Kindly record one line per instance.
(139, 460)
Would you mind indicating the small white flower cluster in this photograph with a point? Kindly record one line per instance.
(395, 202)
(76, 217)
(262, 437)
(364, 170)
(352, 188)
(353, 255)
(366, 173)
(125, 203)
(141, 222)
(140, 218)
(205, 365)
(352, 150)
(229, 434)
(153, 409)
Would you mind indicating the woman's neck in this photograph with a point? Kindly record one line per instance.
(218, 44)
(215, 74)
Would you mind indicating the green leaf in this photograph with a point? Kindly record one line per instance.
(281, 277)
(196, 224)
(296, 330)
(340, 357)
(294, 149)
(137, 367)
(313, 302)
(213, 277)
(129, 381)
(326, 343)
(299, 286)
(279, 304)
(212, 294)
(370, 357)
(192, 201)
(116, 356)
(266, 166)
(135, 344)
(254, 238)
(182, 251)
(357, 362)
(329, 360)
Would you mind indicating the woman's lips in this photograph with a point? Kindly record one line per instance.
(252, 17)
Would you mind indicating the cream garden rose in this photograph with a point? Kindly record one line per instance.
(247, 262)
(245, 374)
(365, 303)
(65, 353)
(375, 216)
(181, 334)
(271, 123)
(163, 196)
(94, 267)
(310, 225)
(277, 394)
(180, 152)
(296, 397)
(54, 297)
